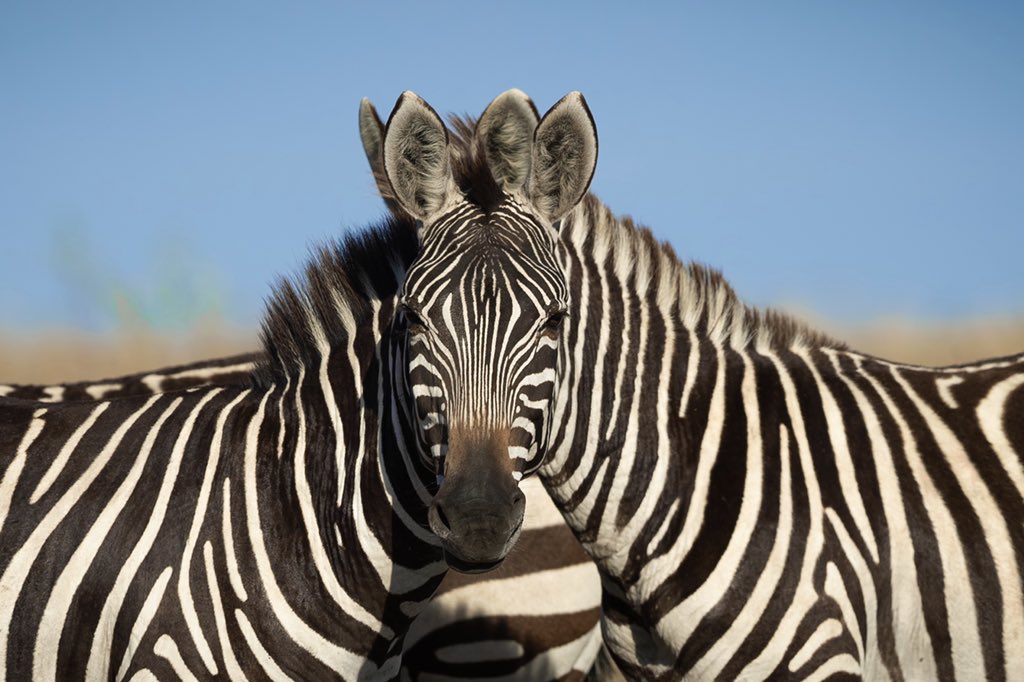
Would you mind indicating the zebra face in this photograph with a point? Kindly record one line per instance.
(483, 306)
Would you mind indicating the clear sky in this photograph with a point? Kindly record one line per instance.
(857, 159)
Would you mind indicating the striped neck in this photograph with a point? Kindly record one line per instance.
(655, 327)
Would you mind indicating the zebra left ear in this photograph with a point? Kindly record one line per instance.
(506, 129)
(417, 162)
(564, 157)
(371, 133)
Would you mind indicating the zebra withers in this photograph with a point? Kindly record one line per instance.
(761, 501)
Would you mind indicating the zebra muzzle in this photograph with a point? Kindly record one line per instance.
(477, 533)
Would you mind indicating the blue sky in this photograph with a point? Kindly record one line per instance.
(854, 159)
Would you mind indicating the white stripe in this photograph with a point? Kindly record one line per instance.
(945, 386)
(843, 459)
(310, 523)
(142, 621)
(166, 648)
(872, 665)
(836, 588)
(806, 595)
(963, 623)
(915, 651)
(229, 544)
(992, 418)
(154, 382)
(681, 622)
(59, 462)
(97, 391)
(231, 666)
(711, 664)
(259, 652)
(13, 472)
(843, 663)
(54, 394)
(825, 632)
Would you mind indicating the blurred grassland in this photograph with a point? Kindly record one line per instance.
(56, 356)
(178, 315)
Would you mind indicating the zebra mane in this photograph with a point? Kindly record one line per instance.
(704, 299)
(707, 301)
(334, 294)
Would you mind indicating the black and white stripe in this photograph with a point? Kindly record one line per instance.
(806, 510)
(277, 528)
(517, 623)
(761, 501)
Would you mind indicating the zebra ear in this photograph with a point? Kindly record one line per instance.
(371, 132)
(564, 157)
(506, 129)
(416, 158)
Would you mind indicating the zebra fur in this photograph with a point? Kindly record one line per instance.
(274, 530)
(515, 623)
(763, 502)
(807, 509)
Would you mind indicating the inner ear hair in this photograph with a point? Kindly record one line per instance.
(506, 131)
(416, 157)
(564, 157)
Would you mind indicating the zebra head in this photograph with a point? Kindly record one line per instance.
(484, 302)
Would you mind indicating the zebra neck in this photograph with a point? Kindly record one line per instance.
(644, 384)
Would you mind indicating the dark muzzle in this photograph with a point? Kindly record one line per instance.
(478, 520)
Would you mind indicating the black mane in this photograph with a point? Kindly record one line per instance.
(357, 269)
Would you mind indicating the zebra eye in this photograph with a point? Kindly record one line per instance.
(554, 322)
(413, 321)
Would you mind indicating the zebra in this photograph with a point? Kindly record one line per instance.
(277, 529)
(515, 623)
(521, 607)
(761, 501)
(157, 471)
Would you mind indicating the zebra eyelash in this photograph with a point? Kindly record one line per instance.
(413, 321)
(553, 322)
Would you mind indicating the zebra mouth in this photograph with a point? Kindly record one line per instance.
(462, 566)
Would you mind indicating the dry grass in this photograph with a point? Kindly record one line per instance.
(72, 356)
(935, 343)
(54, 357)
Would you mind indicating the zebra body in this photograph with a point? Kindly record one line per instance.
(275, 530)
(806, 510)
(760, 501)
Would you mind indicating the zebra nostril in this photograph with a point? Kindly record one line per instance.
(439, 521)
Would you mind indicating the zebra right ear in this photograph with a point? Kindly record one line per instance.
(506, 130)
(371, 133)
(564, 157)
(417, 163)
